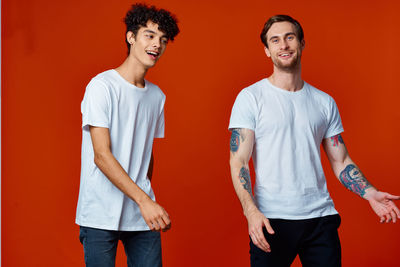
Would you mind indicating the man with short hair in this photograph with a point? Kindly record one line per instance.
(280, 122)
(121, 115)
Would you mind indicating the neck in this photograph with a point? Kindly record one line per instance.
(132, 71)
(289, 80)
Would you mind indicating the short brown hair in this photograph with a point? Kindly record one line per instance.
(281, 18)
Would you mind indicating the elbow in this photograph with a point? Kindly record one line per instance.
(99, 158)
(236, 163)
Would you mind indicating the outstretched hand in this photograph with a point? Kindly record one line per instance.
(256, 221)
(383, 205)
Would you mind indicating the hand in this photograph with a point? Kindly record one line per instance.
(383, 205)
(155, 216)
(256, 221)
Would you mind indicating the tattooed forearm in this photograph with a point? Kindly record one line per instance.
(244, 176)
(353, 179)
(336, 140)
(236, 137)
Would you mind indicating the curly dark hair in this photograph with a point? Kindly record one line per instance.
(140, 14)
(281, 18)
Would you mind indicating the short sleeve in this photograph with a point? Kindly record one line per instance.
(243, 112)
(96, 105)
(160, 126)
(334, 122)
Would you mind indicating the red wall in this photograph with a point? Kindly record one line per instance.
(51, 49)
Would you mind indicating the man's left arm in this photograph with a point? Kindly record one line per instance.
(354, 180)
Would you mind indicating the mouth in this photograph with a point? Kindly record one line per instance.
(153, 54)
(285, 55)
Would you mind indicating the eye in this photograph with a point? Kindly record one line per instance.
(164, 41)
(274, 41)
(290, 37)
(150, 36)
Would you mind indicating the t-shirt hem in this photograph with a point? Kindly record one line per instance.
(299, 217)
(112, 228)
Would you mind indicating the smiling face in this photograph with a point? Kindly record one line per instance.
(148, 45)
(284, 47)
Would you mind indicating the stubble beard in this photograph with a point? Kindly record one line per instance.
(291, 67)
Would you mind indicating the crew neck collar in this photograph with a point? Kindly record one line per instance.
(146, 83)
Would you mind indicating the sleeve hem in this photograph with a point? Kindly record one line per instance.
(95, 124)
(328, 135)
(233, 126)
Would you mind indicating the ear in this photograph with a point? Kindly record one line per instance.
(303, 44)
(130, 37)
(267, 51)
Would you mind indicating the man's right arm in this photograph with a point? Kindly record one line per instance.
(241, 146)
(154, 215)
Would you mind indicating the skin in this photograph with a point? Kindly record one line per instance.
(133, 70)
(285, 49)
(240, 154)
(353, 179)
(282, 40)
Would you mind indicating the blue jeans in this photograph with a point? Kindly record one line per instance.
(142, 248)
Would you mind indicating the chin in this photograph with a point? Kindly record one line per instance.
(150, 65)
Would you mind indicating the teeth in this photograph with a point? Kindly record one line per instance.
(152, 53)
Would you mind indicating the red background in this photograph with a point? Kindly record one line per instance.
(51, 49)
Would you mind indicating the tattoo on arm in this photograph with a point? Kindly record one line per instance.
(244, 176)
(336, 140)
(353, 179)
(236, 137)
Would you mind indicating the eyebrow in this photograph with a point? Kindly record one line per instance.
(285, 35)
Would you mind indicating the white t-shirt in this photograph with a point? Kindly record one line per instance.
(134, 117)
(289, 128)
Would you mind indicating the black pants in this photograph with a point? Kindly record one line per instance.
(316, 241)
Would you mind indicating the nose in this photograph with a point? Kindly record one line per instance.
(156, 43)
(284, 45)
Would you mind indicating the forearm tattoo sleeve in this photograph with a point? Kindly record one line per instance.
(353, 179)
(244, 176)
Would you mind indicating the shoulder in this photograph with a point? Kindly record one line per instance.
(319, 95)
(257, 87)
(154, 89)
(102, 81)
(254, 91)
(106, 78)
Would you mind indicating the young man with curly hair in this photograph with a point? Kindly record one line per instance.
(281, 122)
(121, 115)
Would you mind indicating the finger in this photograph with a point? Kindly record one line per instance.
(161, 223)
(268, 227)
(262, 240)
(258, 243)
(388, 218)
(395, 209)
(392, 196)
(166, 219)
(381, 219)
(156, 227)
(255, 237)
(393, 216)
(150, 225)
